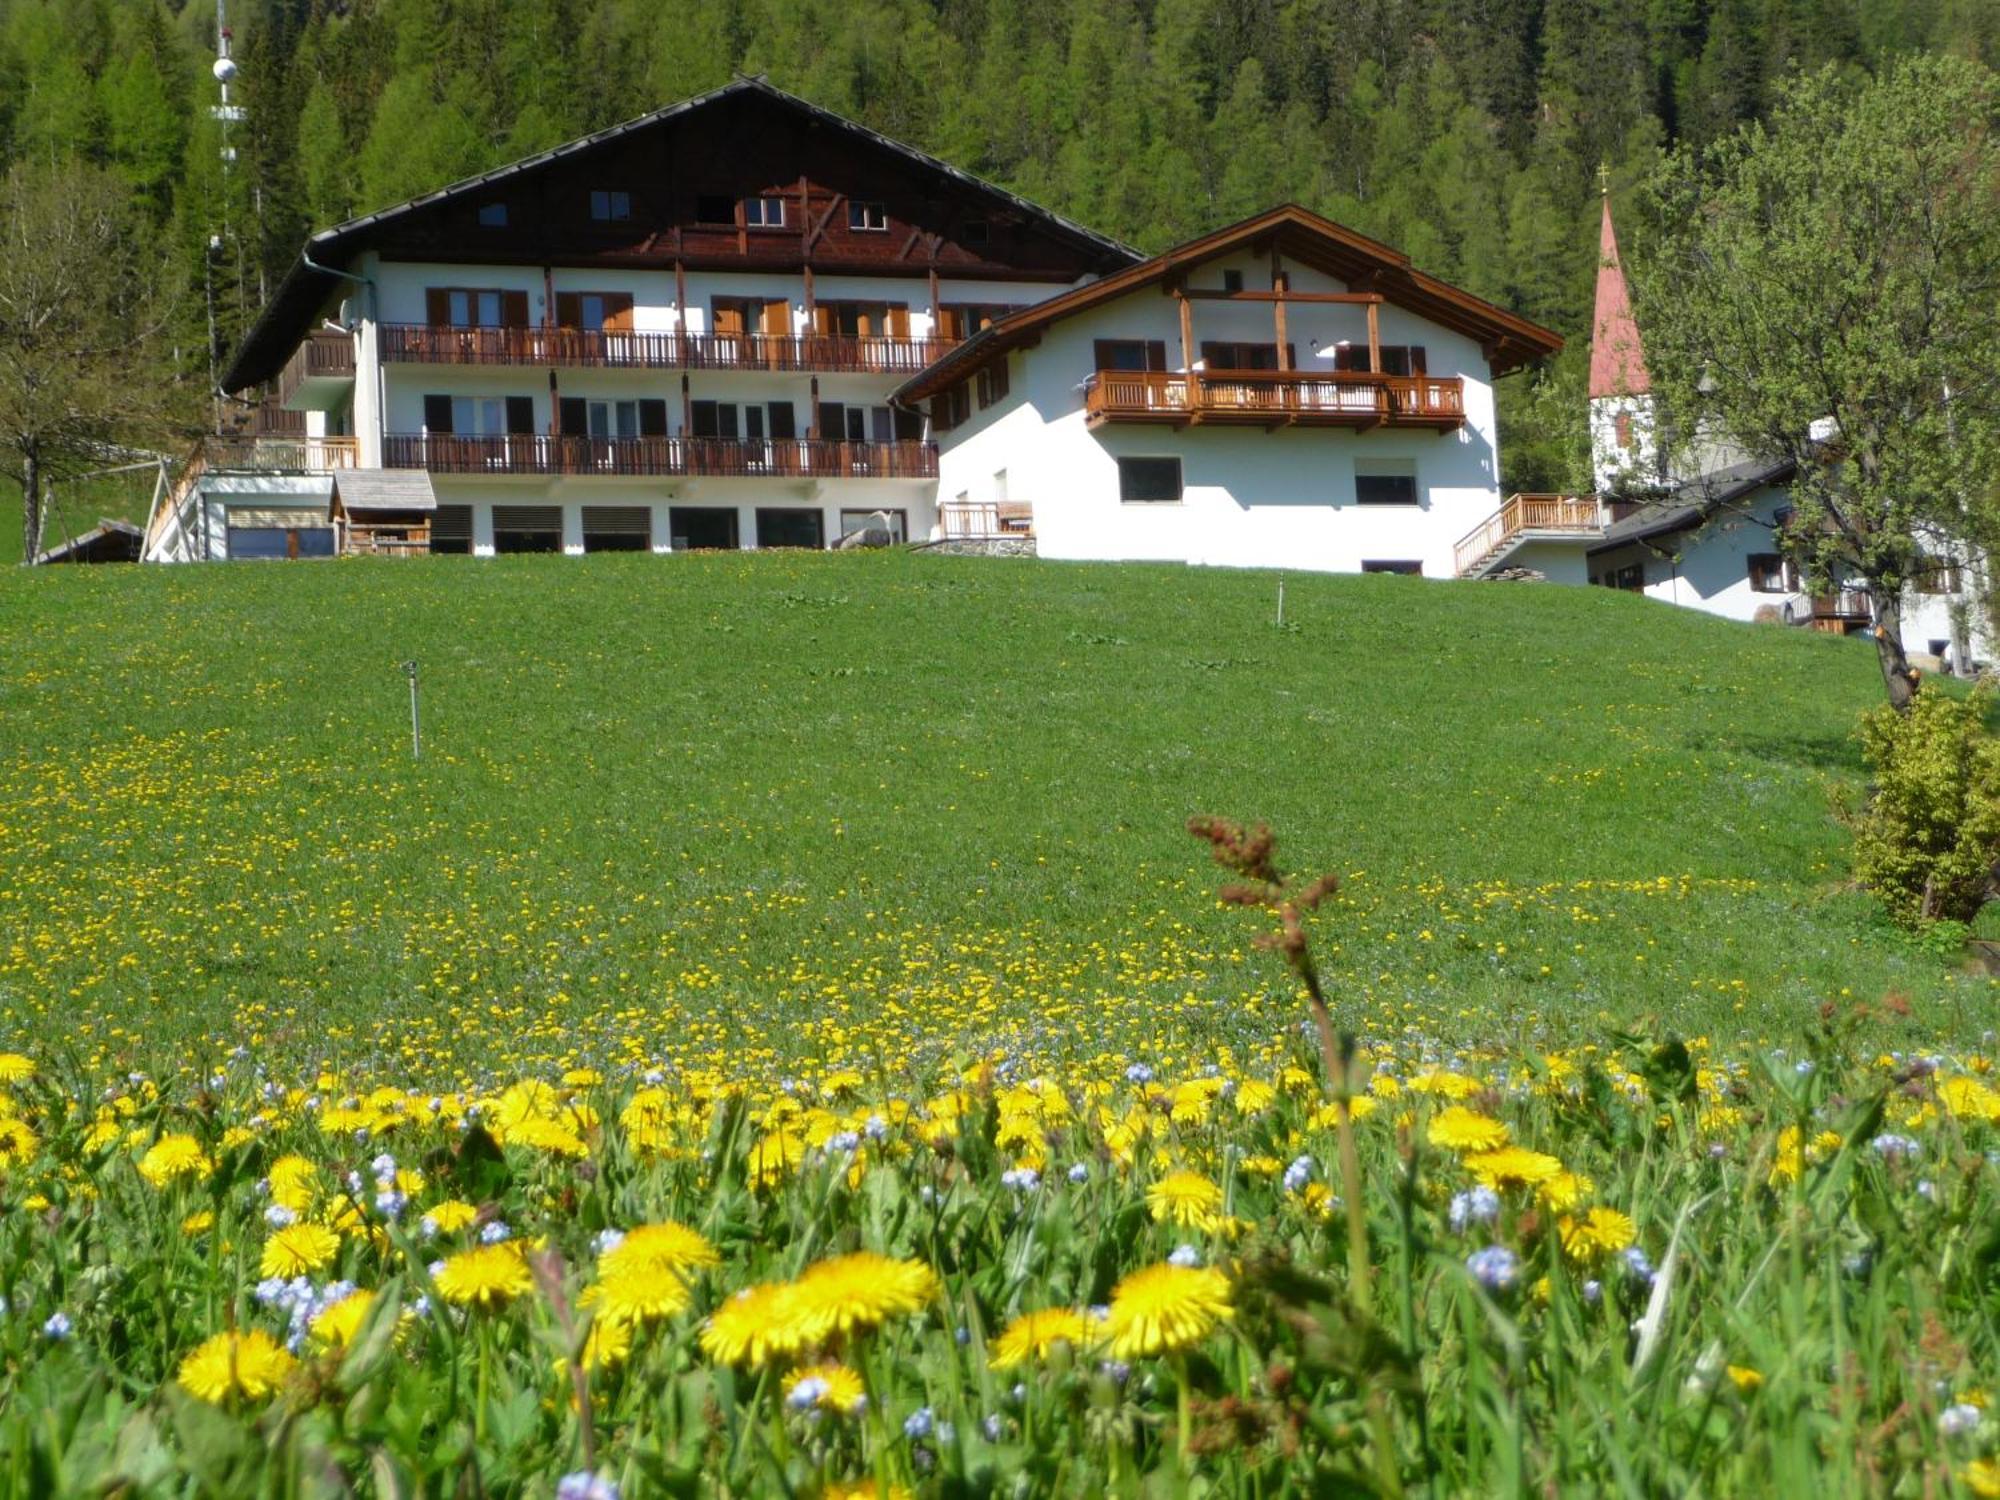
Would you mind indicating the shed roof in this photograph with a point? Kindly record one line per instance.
(384, 489)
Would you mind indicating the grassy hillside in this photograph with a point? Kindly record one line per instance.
(777, 807)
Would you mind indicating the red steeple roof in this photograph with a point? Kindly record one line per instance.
(1617, 360)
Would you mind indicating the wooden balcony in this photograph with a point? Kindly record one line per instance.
(320, 372)
(985, 520)
(419, 343)
(279, 454)
(1840, 612)
(1275, 398)
(659, 457)
(1525, 518)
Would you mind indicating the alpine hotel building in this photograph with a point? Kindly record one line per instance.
(743, 321)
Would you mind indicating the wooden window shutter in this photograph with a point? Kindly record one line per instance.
(1100, 353)
(1352, 357)
(617, 312)
(783, 424)
(1417, 360)
(573, 417)
(1213, 354)
(1291, 356)
(899, 320)
(822, 318)
(776, 318)
(725, 419)
(703, 416)
(521, 414)
(514, 309)
(569, 310)
(951, 322)
(437, 306)
(832, 420)
(437, 413)
(652, 417)
(1156, 354)
(728, 317)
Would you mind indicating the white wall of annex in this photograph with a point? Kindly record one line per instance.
(1252, 498)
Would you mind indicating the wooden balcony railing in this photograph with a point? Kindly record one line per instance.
(325, 355)
(1557, 515)
(656, 457)
(1273, 398)
(283, 455)
(419, 343)
(985, 520)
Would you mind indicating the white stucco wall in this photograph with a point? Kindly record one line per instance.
(1252, 498)
(1611, 463)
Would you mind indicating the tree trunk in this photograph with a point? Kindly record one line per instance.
(31, 505)
(1897, 677)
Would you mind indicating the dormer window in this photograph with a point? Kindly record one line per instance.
(1232, 281)
(764, 213)
(493, 216)
(867, 218)
(610, 205)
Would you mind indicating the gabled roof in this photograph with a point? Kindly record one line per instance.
(1302, 237)
(1693, 502)
(313, 278)
(107, 541)
(384, 489)
(1617, 359)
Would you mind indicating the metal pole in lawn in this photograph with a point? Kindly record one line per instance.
(1281, 602)
(416, 738)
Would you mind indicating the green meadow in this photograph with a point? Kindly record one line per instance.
(742, 803)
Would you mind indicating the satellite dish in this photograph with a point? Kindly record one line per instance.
(224, 69)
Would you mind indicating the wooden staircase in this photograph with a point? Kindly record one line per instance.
(1526, 518)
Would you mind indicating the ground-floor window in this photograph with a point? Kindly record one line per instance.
(617, 528)
(255, 543)
(1149, 480)
(702, 528)
(790, 528)
(1408, 566)
(898, 522)
(1772, 574)
(451, 530)
(1631, 578)
(527, 528)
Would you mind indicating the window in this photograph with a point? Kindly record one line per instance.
(479, 416)
(451, 530)
(1772, 574)
(266, 543)
(713, 208)
(1406, 567)
(1233, 355)
(595, 312)
(1232, 281)
(992, 382)
(475, 307)
(1397, 359)
(1149, 480)
(617, 528)
(1935, 577)
(866, 217)
(1385, 489)
(898, 521)
(764, 213)
(951, 407)
(961, 320)
(790, 528)
(492, 216)
(527, 528)
(1130, 354)
(1631, 578)
(702, 528)
(613, 419)
(1622, 427)
(610, 205)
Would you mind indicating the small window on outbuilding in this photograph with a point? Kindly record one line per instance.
(1149, 481)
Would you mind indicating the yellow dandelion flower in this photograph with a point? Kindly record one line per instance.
(1565, 1191)
(199, 1222)
(294, 1182)
(18, 1143)
(298, 1249)
(833, 1387)
(1033, 1334)
(640, 1293)
(337, 1325)
(451, 1215)
(1969, 1099)
(1602, 1231)
(253, 1365)
(15, 1068)
(853, 1293)
(666, 1246)
(872, 1489)
(1184, 1198)
(1253, 1097)
(485, 1277)
(1457, 1128)
(774, 1156)
(1982, 1477)
(752, 1327)
(1166, 1307)
(172, 1157)
(1744, 1378)
(1512, 1166)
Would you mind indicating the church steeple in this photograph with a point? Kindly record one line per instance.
(1622, 436)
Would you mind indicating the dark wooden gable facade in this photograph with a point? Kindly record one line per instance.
(747, 178)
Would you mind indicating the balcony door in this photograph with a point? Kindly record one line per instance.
(474, 325)
(470, 433)
(600, 324)
(750, 330)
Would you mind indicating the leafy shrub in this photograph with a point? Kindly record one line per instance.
(1930, 837)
